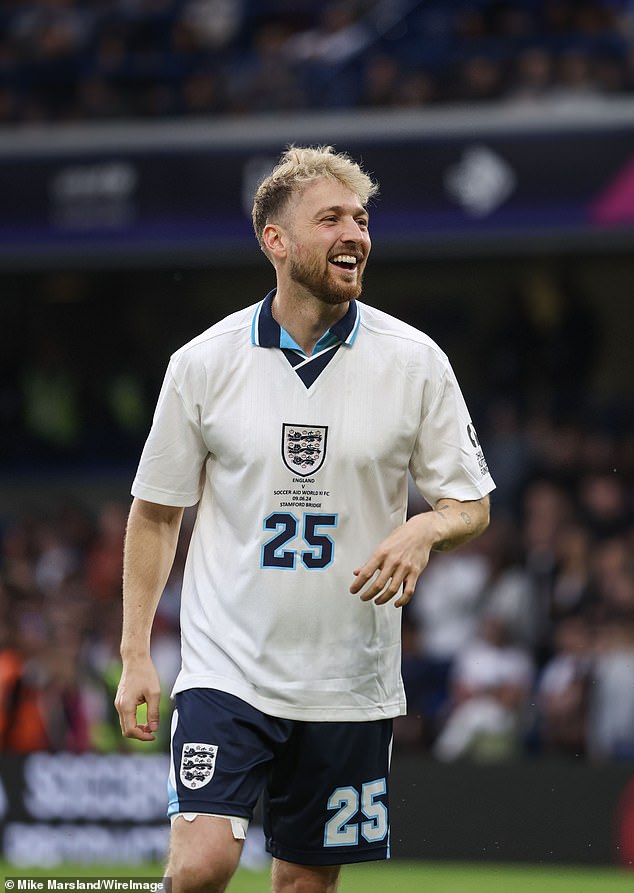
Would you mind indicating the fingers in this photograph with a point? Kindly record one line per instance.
(394, 567)
(130, 728)
(382, 584)
(364, 582)
(143, 731)
(153, 703)
(128, 708)
(140, 733)
(408, 591)
(384, 576)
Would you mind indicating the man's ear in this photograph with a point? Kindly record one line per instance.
(274, 239)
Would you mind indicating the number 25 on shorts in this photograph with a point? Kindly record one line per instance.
(340, 830)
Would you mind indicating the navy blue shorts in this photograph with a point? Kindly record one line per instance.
(324, 784)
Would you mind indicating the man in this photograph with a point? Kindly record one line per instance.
(293, 425)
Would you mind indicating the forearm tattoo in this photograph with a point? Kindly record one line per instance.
(448, 544)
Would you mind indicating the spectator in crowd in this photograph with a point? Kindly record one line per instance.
(611, 708)
(547, 508)
(563, 690)
(104, 557)
(491, 680)
(508, 595)
(417, 88)
(604, 504)
(532, 77)
(385, 83)
(575, 80)
(479, 79)
(382, 74)
(511, 451)
(326, 57)
(264, 78)
(215, 23)
(42, 704)
(612, 575)
(572, 591)
(202, 92)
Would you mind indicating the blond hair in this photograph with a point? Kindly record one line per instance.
(299, 166)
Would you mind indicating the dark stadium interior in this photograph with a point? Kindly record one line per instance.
(548, 333)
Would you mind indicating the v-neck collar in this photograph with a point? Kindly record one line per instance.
(267, 332)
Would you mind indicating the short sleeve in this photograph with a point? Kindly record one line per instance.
(170, 470)
(447, 460)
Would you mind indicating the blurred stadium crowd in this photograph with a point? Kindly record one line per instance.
(65, 60)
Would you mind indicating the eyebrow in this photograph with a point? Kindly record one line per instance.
(340, 209)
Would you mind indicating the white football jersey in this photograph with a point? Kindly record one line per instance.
(300, 468)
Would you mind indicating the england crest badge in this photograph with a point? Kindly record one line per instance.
(304, 448)
(198, 763)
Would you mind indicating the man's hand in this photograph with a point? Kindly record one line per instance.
(401, 558)
(139, 685)
(150, 546)
(398, 561)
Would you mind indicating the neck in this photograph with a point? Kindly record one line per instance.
(305, 317)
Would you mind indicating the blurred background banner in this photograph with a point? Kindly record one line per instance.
(108, 809)
(451, 180)
(86, 809)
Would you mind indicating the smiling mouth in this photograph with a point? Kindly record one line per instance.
(344, 261)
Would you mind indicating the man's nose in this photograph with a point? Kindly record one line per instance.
(352, 232)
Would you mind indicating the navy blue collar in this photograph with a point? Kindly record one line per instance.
(266, 332)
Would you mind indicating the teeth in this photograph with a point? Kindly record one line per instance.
(344, 259)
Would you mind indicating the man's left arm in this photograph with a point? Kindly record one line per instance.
(401, 558)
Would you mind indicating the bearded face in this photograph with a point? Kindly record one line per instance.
(327, 278)
(324, 235)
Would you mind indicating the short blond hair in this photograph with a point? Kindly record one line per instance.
(298, 166)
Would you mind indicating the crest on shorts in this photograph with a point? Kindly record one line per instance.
(304, 448)
(198, 763)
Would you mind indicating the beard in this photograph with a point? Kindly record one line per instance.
(311, 276)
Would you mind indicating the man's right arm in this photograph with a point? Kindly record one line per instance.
(150, 546)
